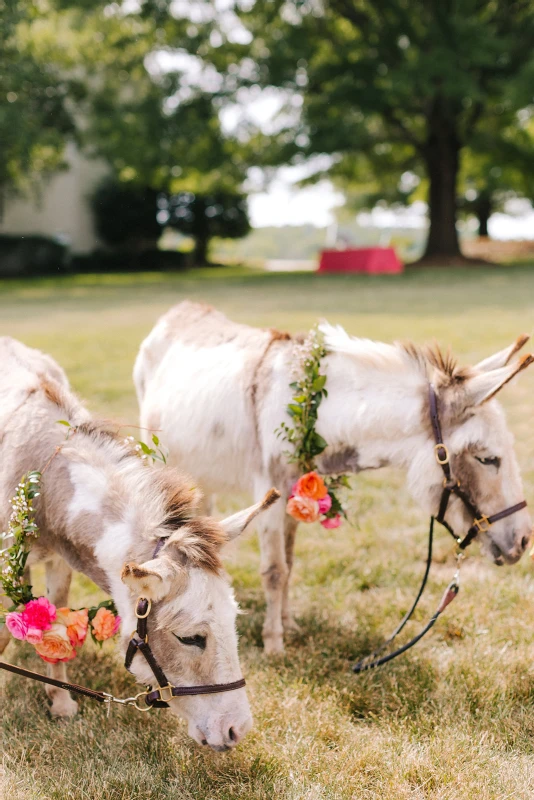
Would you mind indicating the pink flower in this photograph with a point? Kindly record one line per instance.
(325, 504)
(331, 522)
(39, 613)
(34, 635)
(16, 625)
(117, 625)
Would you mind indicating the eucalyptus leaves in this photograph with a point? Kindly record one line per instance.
(22, 530)
(309, 390)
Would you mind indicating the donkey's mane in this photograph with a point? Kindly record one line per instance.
(397, 356)
(169, 497)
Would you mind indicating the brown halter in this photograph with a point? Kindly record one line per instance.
(481, 522)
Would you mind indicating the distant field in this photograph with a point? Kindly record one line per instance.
(452, 719)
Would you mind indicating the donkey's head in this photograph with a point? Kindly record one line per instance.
(480, 449)
(191, 625)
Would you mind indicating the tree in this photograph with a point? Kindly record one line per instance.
(360, 76)
(35, 121)
(221, 213)
(126, 215)
(496, 169)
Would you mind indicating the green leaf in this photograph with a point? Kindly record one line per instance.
(294, 410)
(155, 439)
(319, 383)
(146, 449)
(63, 422)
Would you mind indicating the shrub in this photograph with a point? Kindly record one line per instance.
(22, 256)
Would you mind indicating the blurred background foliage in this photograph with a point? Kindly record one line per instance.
(394, 102)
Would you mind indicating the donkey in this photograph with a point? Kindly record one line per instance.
(218, 390)
(103, 511)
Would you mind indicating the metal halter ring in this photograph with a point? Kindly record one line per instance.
(437, 448)
(147, 612)
(135, 704)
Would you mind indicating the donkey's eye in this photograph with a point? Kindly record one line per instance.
(195, 641)
(490, 461)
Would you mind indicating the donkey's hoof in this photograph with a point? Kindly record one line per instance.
(273, 644)
(64, 707)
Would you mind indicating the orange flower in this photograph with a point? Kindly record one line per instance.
(303, 508)
(310, 485)
(105, 624)
(55, 645)
(76, 623)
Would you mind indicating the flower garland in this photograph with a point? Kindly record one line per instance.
(312, 497)
(56, 633)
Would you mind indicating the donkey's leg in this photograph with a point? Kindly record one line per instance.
(290, 530)
(273, 572)
(58, 577)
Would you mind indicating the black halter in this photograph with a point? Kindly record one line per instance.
(481, 522)
(160, 697)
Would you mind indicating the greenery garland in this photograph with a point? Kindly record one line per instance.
(309, 390)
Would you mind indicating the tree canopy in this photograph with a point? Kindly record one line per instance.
(408, 80)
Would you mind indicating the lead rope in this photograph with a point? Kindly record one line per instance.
(371, 661)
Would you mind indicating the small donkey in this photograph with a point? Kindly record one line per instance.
(102, 511)
(218, 390)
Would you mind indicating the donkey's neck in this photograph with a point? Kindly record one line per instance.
(109, 514)
(374, 415)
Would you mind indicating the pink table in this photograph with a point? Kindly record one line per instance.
(370, 260)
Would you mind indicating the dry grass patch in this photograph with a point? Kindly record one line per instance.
(453, 719)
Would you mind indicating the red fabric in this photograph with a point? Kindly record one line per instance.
(371, 260)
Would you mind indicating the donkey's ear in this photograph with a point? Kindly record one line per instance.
(501, 359)
(483, 387)
(152, 580)
(237, 523)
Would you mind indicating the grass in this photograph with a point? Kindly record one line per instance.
(454, 718)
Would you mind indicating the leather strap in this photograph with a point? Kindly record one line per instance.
(71, 687)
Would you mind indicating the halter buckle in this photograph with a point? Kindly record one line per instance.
(165, 698)
(441, 461)
(483, 524)
(140, 638)
(147, 612)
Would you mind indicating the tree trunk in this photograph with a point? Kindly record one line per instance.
(442, 162)
(201, 251)
(483, 212)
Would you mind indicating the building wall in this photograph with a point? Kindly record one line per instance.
(63, 209)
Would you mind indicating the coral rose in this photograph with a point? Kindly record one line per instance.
(39, 613)
(76, 623)
(55, 645)
(331, 522)
(325, 504)
(105, 624)
(303, 508)
(310, 485)
(16, 625)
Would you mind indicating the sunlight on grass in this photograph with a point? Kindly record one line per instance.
(452, 719)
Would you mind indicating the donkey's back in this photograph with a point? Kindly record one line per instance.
(24, 370)
(201, 380)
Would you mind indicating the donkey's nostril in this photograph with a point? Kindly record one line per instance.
(232, 736)
(524, 542)
(204, 741)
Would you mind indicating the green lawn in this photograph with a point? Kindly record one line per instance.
(454, 718)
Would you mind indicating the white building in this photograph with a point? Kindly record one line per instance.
(63, 211)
